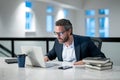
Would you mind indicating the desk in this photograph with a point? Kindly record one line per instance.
(12, 72)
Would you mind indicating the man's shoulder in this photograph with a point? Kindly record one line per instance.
(81, 37)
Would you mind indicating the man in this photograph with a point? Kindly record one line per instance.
(70, 47)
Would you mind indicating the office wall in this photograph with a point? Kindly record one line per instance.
(112, 51)
(112, 5)
(39, 9)
(12, 18)
(11, 24)
(12, 21)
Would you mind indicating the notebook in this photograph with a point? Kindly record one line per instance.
(11, 60)
(35, 54)
(96, 60)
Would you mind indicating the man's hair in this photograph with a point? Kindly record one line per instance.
(65, 23)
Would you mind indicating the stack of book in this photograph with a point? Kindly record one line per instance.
(98, 63)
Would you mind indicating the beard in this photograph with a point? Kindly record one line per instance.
(65, 39)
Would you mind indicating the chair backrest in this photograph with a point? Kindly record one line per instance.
(97, 42)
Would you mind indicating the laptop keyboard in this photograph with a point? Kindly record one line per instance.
(51, 64)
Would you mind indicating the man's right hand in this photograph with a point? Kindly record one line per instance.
(46, 59)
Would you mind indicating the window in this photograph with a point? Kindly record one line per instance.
(28, 20)
(65, 11)
(103, 11)
(49, 23)
(90, 27)
(103, 23)
(49, 9)
(62, 13)
(49, 19)
(28, 4)
(90, 12)
(103, 27)
(90, 23)
(28, 16)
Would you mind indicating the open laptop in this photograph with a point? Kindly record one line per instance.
(35, 54)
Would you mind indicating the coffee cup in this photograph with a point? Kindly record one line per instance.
(21, 60)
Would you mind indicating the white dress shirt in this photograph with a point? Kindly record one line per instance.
(68, 53)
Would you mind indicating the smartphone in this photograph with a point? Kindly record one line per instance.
(64, 67)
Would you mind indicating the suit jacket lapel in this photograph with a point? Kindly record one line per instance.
(77, 48)
(60, 49)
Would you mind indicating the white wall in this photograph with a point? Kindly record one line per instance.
(11, 24)
(39, 9)
(113, 5)
(12, 21)
(112, 51)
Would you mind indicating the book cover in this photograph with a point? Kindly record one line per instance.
(97, 67)
(101, 65)
(96, 60)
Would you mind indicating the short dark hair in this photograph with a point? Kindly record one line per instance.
(65, 23)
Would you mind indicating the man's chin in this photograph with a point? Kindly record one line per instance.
(60, 41)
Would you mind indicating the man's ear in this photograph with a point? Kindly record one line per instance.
(70, 31)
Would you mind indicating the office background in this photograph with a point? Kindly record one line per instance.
(12, 21)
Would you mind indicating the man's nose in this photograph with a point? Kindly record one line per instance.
(58, 35)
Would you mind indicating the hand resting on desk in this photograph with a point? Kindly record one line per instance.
(46, 59)
(79, 63)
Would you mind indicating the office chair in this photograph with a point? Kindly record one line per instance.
(97, 42)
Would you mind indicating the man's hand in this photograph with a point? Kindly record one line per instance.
(79, 63)
(46, 59)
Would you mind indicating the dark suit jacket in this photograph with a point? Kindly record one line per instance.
(84, 47)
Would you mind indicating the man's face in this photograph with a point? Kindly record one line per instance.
(61, 34)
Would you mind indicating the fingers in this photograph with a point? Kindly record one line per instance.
(46, 59)
(79, 63)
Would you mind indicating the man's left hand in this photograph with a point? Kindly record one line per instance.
(79, 63)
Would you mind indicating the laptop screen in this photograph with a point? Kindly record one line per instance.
(35, 55)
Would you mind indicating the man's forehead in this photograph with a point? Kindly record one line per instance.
(59, 28)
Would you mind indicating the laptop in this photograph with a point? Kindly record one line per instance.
(36, 57)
